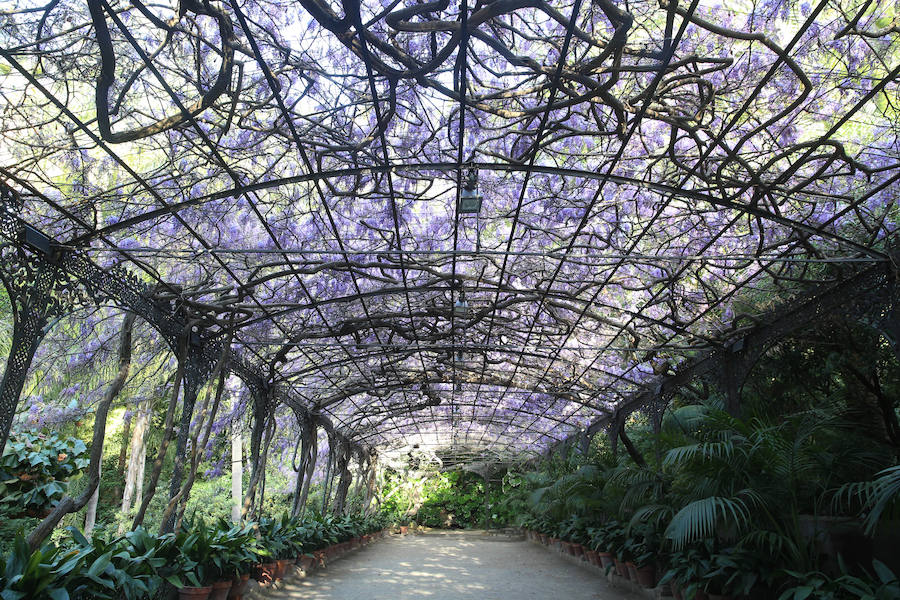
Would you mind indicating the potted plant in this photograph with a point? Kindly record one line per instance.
(731, 573)
(198, 553)
(27, 574)
(606, 540)
(276, 538)
(238, 551)
(815, 584)
(644, 545)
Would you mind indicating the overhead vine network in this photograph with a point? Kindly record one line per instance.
(476, 228)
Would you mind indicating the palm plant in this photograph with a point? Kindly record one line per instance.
(875, 497)
(576, 493)
(749, 480)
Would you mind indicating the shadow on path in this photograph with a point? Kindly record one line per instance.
(451, 566)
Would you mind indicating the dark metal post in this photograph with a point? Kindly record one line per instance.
(30, 283)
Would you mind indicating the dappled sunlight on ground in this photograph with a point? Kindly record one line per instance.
(451, 566)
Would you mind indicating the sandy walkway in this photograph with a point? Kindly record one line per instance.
(451, 566)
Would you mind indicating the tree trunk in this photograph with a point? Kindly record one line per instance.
(367, 507)
(69, 504)
(90, 518)
(137, 457)
(311, 454)
(257, 455)
(237, 471)
(168, 430)
(123, 455)
(90, 514)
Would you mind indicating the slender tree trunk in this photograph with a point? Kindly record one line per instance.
(69, 504)
(237, 471)
(344, 478)
(123, 454)
(311, 454)
(123, 449)
(633, 452)
(168, 430)
(367, 507)
(257, 454)
(137, 457)
(90, 515)
(115, 388)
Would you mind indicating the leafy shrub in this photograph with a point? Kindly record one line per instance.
(35, 470)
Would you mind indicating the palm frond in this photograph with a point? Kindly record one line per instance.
(700, 519)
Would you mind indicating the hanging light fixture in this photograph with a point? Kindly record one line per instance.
(469, 198)
(461, 306)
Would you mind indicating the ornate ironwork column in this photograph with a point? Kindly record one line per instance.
(342, 469)
(197, 370)
(31, 285)
(735, 363)
(262, 408)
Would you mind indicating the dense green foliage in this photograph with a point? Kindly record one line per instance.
(766, 501)
(135, 565)
(35, 470)
(454, 499)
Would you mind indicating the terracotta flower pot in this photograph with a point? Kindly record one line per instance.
(283, 565)
(220, 590)
(307, 562)
(606, 559)
(621, 569)
(265, 573)
(544, 539)
(194, 593)
(238, 587)
(591, 557)
(632, 570)
(404, 529)
(579, 550)
(646, 576)
(320, 558)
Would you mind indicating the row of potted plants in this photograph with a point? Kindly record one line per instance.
(312, 542)
(709, 517)
(705, 572)
(203, 560)
(636, 553)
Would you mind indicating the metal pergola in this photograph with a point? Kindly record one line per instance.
(666, 189)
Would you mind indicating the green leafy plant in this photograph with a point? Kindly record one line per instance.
(199, 552)
(876, 496)
(39, 574)
(884, 585)
(35, 470)
(238, 549)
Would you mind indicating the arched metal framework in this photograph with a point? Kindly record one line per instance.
(667, 189)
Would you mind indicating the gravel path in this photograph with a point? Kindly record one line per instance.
(451, 566)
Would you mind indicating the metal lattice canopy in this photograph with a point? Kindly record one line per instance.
(654, 175)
